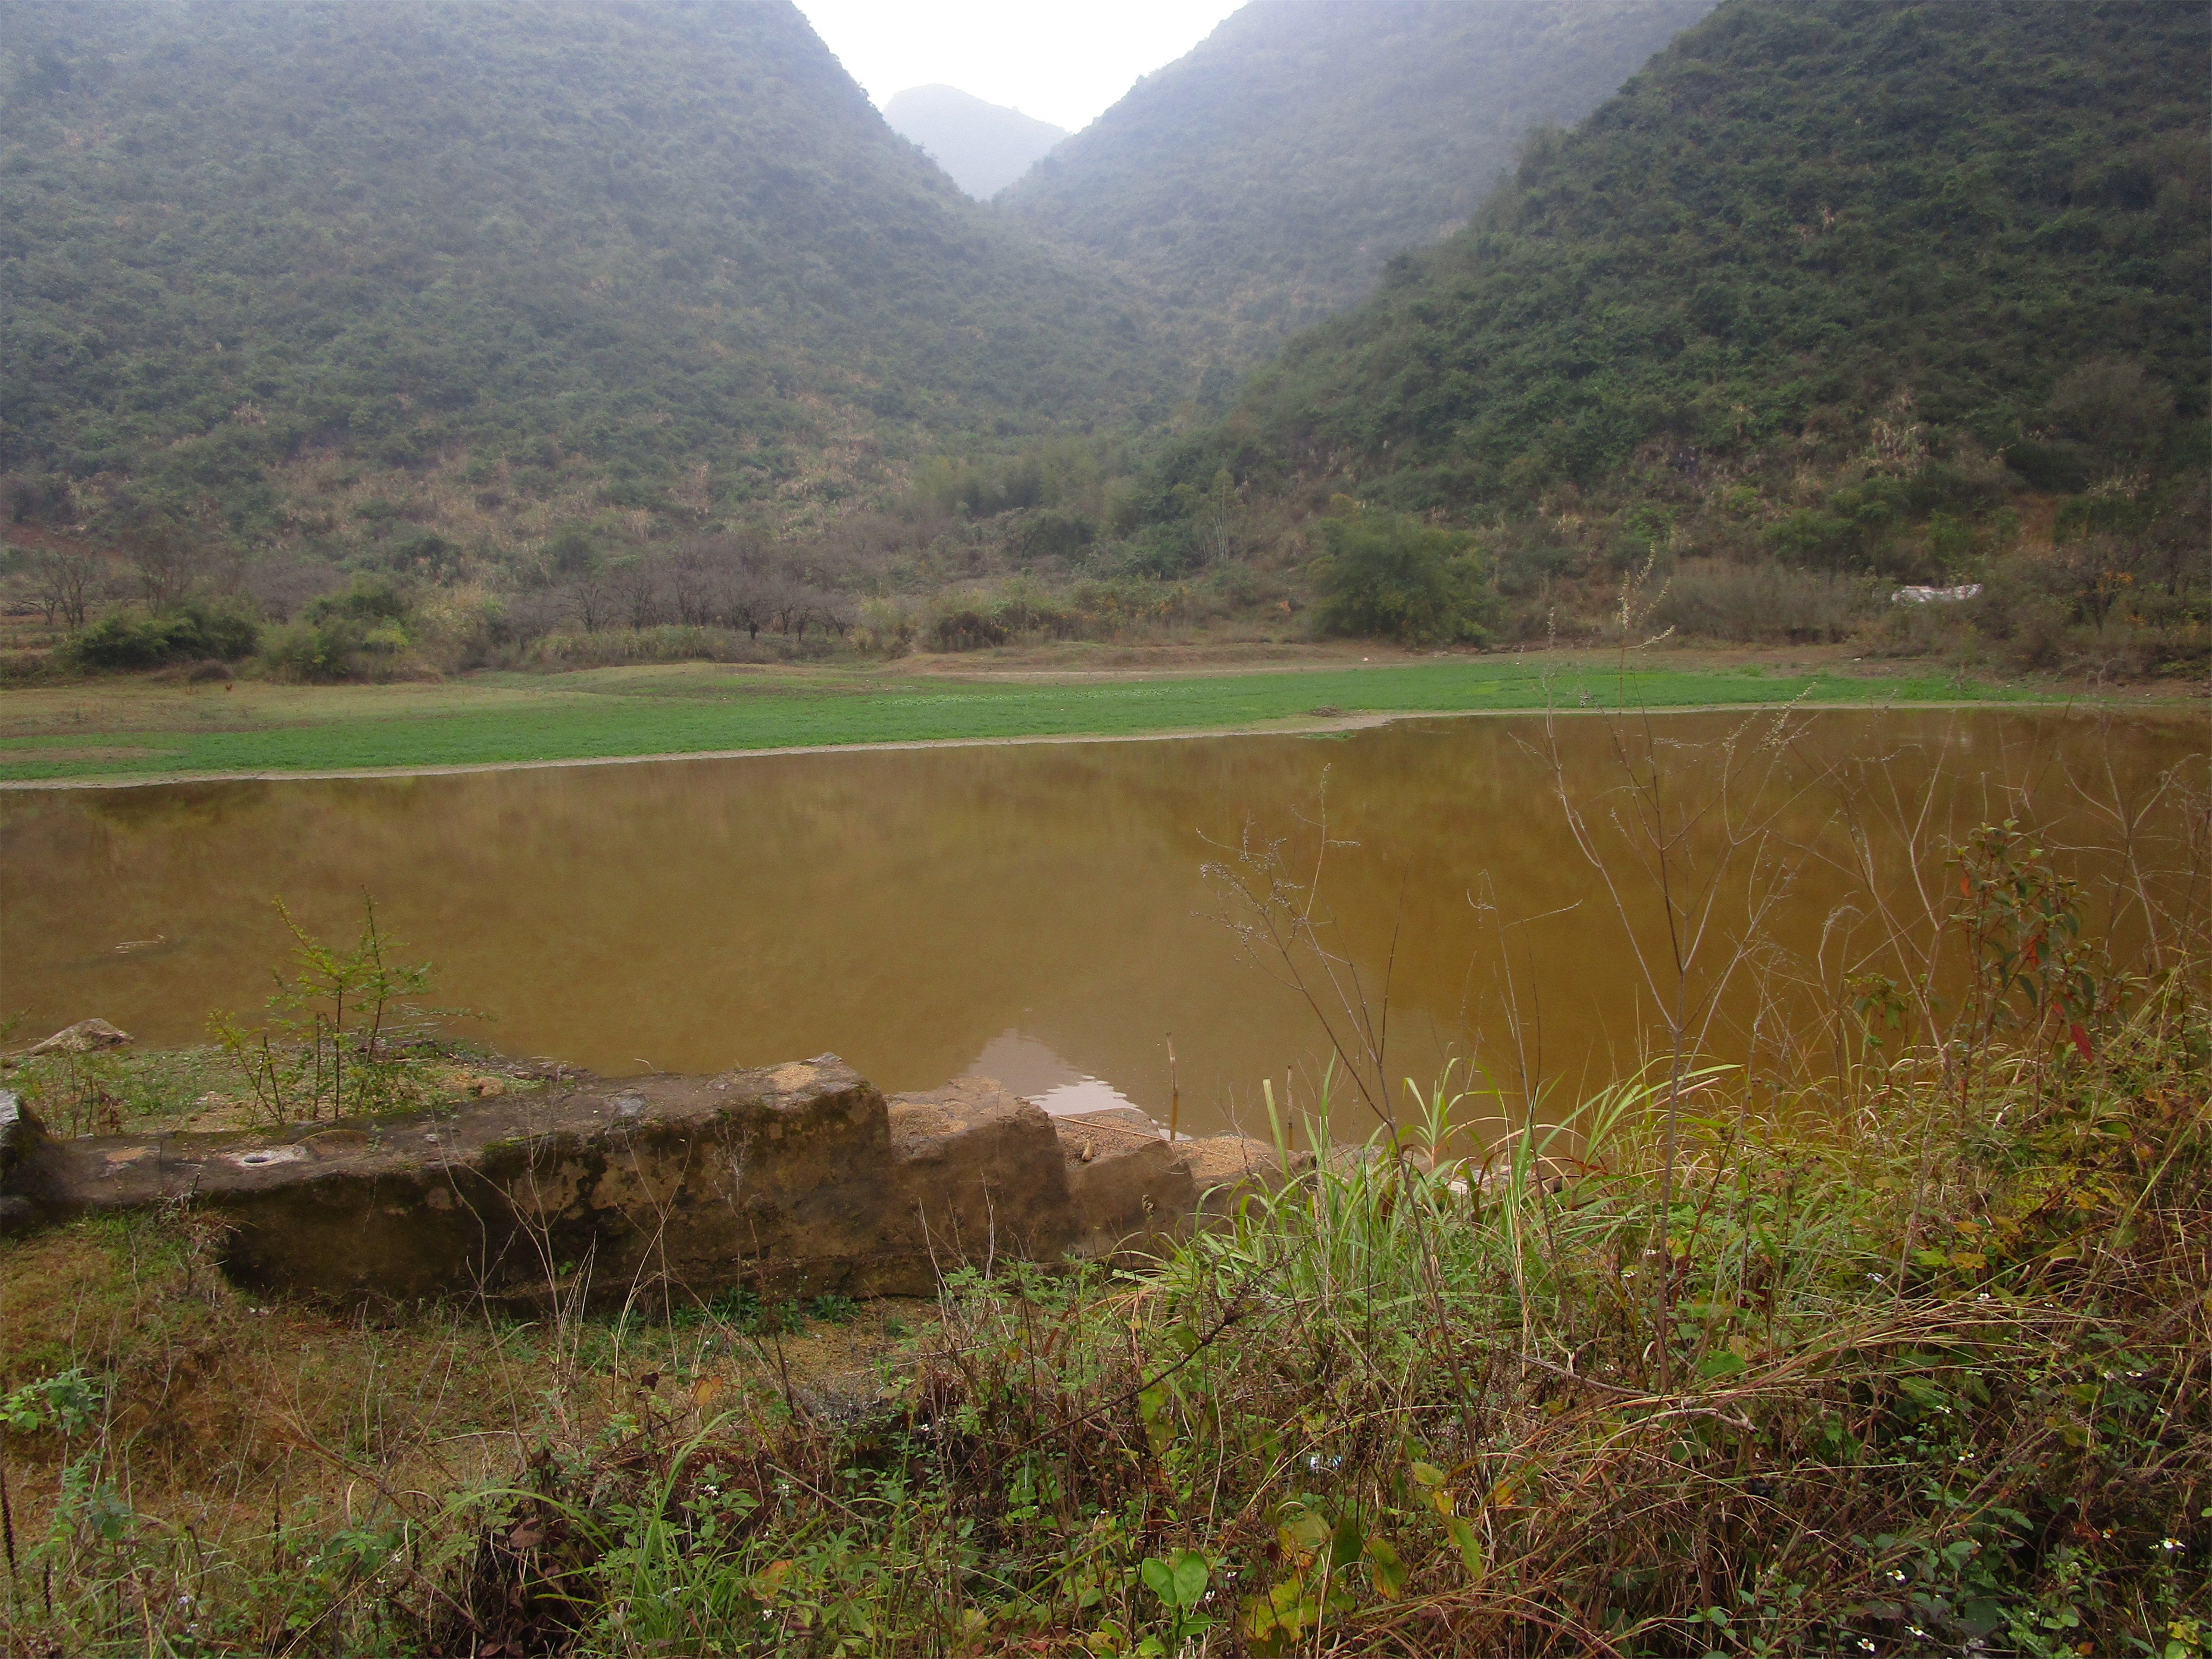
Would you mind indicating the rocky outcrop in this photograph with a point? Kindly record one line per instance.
(799, 1179)
(80, 1038)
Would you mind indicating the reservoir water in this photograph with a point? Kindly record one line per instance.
(1044, 912)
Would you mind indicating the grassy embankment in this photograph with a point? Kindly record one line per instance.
(1906, 1354)
(133, 729)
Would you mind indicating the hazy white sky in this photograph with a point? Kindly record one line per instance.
(1057, 60)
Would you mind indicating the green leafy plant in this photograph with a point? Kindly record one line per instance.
(2033, 969)
(332, 1044)
(1178, 1582)
(64, 1402)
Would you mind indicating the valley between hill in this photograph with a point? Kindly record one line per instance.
(1796, 1244)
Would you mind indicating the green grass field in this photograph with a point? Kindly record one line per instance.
(509, 718)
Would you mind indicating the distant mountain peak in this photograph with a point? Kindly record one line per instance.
(1262, 179)
(984, 146)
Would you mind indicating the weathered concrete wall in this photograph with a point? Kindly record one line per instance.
(797, 1179)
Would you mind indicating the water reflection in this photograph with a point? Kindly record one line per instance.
(923, 912)
(1030, 1069)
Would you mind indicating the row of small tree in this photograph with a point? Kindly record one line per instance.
(71, 580)
(739, 582)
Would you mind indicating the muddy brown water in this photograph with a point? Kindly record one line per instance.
(1043, 912)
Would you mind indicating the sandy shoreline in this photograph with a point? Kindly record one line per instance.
(1303, 728)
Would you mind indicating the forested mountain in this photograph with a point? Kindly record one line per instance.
(520, 319)
(1896, 287)
(1798, 213)
(284, 268)
(984, 146)
(1261, 182)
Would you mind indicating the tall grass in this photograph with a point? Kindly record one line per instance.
(1774, 603)
(1413, 1404)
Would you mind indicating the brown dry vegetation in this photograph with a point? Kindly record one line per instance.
(266, 1431)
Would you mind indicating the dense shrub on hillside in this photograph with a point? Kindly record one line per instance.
(190, 633)
(1795, 212)
(964, 629)
(1765, 603)
(365, 630)
(1397, 578)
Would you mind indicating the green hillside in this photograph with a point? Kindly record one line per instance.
(273, 267)
(1261, 182)
(1799, 213)
(1834, 291)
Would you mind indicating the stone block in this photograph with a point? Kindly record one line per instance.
(979, 1180)
(777, 1177)
(1130, 1188)
(797, 1180)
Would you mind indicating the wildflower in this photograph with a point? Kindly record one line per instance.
(1865, 1646)
(1896, 1576)
(2171, 1546)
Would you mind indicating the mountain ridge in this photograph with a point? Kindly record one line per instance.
(1832, 294)
(608, 245)
(1270, 172)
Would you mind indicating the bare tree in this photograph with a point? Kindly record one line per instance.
(592, 599)
(530, 615)
(691, 575)
(66, 580)
(744, 600)
(790, 604)
(636, 585)
(834, 610)
(168, 563)
(283, 587)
